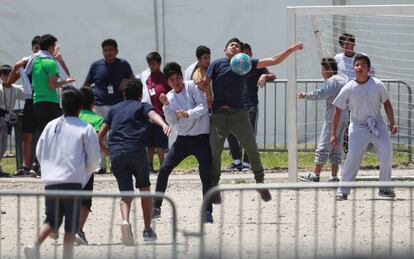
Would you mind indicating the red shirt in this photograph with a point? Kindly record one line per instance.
(157, 84)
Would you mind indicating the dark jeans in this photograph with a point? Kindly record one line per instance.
(183, 147)
(58, 207)
(234, 144)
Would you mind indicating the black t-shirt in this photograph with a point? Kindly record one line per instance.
(128, 122)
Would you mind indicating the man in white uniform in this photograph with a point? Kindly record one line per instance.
(364, 96)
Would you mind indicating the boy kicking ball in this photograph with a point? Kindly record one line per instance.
(68, 152)
(364, 96)
(126, 142)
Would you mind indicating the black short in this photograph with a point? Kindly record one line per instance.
(127, 165)
(46, 112)
(155, 137)
(29, 118)
(57, 208)
(87, 201)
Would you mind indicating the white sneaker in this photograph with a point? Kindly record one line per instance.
(54, 235)
(127, 238)
(80, 238)
(31, 252)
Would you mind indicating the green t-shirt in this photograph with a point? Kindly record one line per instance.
(92, 118)
(43, 69)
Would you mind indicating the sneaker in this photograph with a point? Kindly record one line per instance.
(389, 193)
(311, 177)
(245, 166)
(217, 198)
(54, 235)
(80, 238)
(35, 172)
(265, 194)
(101, 171)
(235, 166)
(342, 197)
(127, 238)
(22, 172)
(30, 252)
(208, 217)
(333, 179)
(156, 213)
(149, 235)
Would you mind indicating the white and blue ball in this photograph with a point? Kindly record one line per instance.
(241, 64)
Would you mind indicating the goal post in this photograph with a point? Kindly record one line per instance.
(293, 13)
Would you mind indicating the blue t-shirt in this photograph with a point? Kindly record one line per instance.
(128, 122)
(249, 95)
(227, 85)
(103, 75)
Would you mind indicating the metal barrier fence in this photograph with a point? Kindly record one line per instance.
(24, 211)
(272, 126)
(306, 221)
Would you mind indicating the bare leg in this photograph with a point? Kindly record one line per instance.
(334, 171)
(27, 149)
(161, 154)
(125, 206)
(318, 169)
(146, 204)
(150, 155)
(84, 213)
(68, 240)
(44, 232)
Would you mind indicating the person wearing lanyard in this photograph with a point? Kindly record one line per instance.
(107, 76)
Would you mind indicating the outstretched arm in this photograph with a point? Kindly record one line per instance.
(390, 114)
(280, 57)
(157, 119)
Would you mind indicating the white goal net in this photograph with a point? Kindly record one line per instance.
(385, 34)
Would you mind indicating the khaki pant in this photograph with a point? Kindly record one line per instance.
(224, 122)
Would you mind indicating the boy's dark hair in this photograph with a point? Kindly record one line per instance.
(71, 101)
(329, 64)
(171, 69)
(133, 89)
(246, 46)
(202, 50)
(88, 98)
(362, 57)
(46, 41)
(234, 40)
(109, 42)
(35, 40)
(346, 37)
(154, 56)
(5, 69)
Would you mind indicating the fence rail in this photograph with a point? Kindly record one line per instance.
(24, 210)
(272, 127)
(306, 221)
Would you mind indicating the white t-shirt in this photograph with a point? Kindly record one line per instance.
(363, 100)
(8, 96)
(346, 65)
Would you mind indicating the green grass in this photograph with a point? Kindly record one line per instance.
(270, 160)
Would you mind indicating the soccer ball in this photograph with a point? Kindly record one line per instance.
(241, 64)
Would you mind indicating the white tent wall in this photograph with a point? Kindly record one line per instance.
(175, 28)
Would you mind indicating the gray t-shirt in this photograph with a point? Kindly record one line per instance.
(363, 100)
